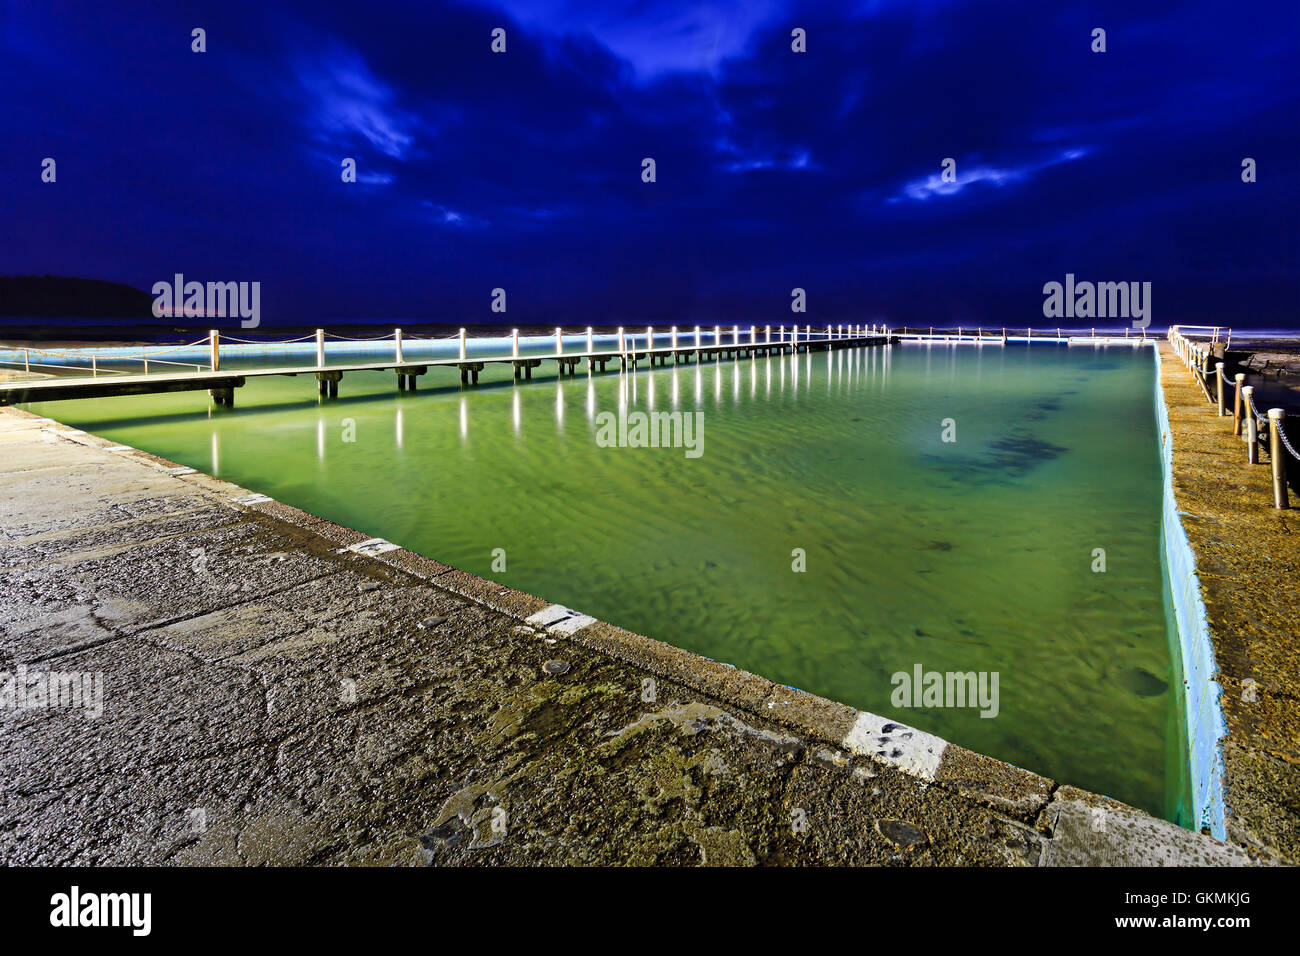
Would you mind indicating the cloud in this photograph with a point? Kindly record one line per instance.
(933, 185)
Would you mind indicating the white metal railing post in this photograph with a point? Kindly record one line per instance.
(591, 344)
(514, 342)
(674, 340)
(697, 337)
(397, 345)
(320, 348)
(767, 335)
(735, 335)
(559, 341)
(622, 349)
(214, 346)
(649, 342)
(462, 343)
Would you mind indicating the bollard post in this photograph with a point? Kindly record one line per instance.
(1220, 399)
(320, 348)
(1250, 428)
(462, 343)
(514, 342)
(1275, 453)
(1236, 404)
(214, 344)
(590, 344)
(397, 343)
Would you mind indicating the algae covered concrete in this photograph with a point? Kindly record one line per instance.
(281, 690)
(1248, 564)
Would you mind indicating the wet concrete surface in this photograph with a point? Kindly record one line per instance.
(1248, 562)
(272, 697)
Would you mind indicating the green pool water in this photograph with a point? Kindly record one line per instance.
(972, 555)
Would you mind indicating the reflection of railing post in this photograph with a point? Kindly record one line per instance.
(214, 344)
(1250, 428)
(320, 348)
(1278, 462)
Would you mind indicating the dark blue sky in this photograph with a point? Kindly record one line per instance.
(775, 169)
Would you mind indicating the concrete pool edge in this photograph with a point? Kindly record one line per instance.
(1084, 828)
(1203, 720)
(1246, 561)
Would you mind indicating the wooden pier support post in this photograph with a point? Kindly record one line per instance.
(1236, 404)
(1276, 459)
(1220, 399)
(1250, 428)
(320, 348)
(214, 344)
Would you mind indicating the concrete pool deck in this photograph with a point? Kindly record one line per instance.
(279, 689)
(1248, 567)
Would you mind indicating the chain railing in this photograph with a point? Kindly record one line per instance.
(1196, 347)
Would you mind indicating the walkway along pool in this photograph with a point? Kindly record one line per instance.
(826, 535)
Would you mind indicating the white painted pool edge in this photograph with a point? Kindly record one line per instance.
(1202, 716)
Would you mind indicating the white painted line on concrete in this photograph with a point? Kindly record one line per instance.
(372, 546)
(905, 747)
(558, 619)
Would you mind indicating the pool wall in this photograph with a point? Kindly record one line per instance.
(1203, 717)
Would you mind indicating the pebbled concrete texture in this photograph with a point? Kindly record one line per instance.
(1248, 565)
(272, 697)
